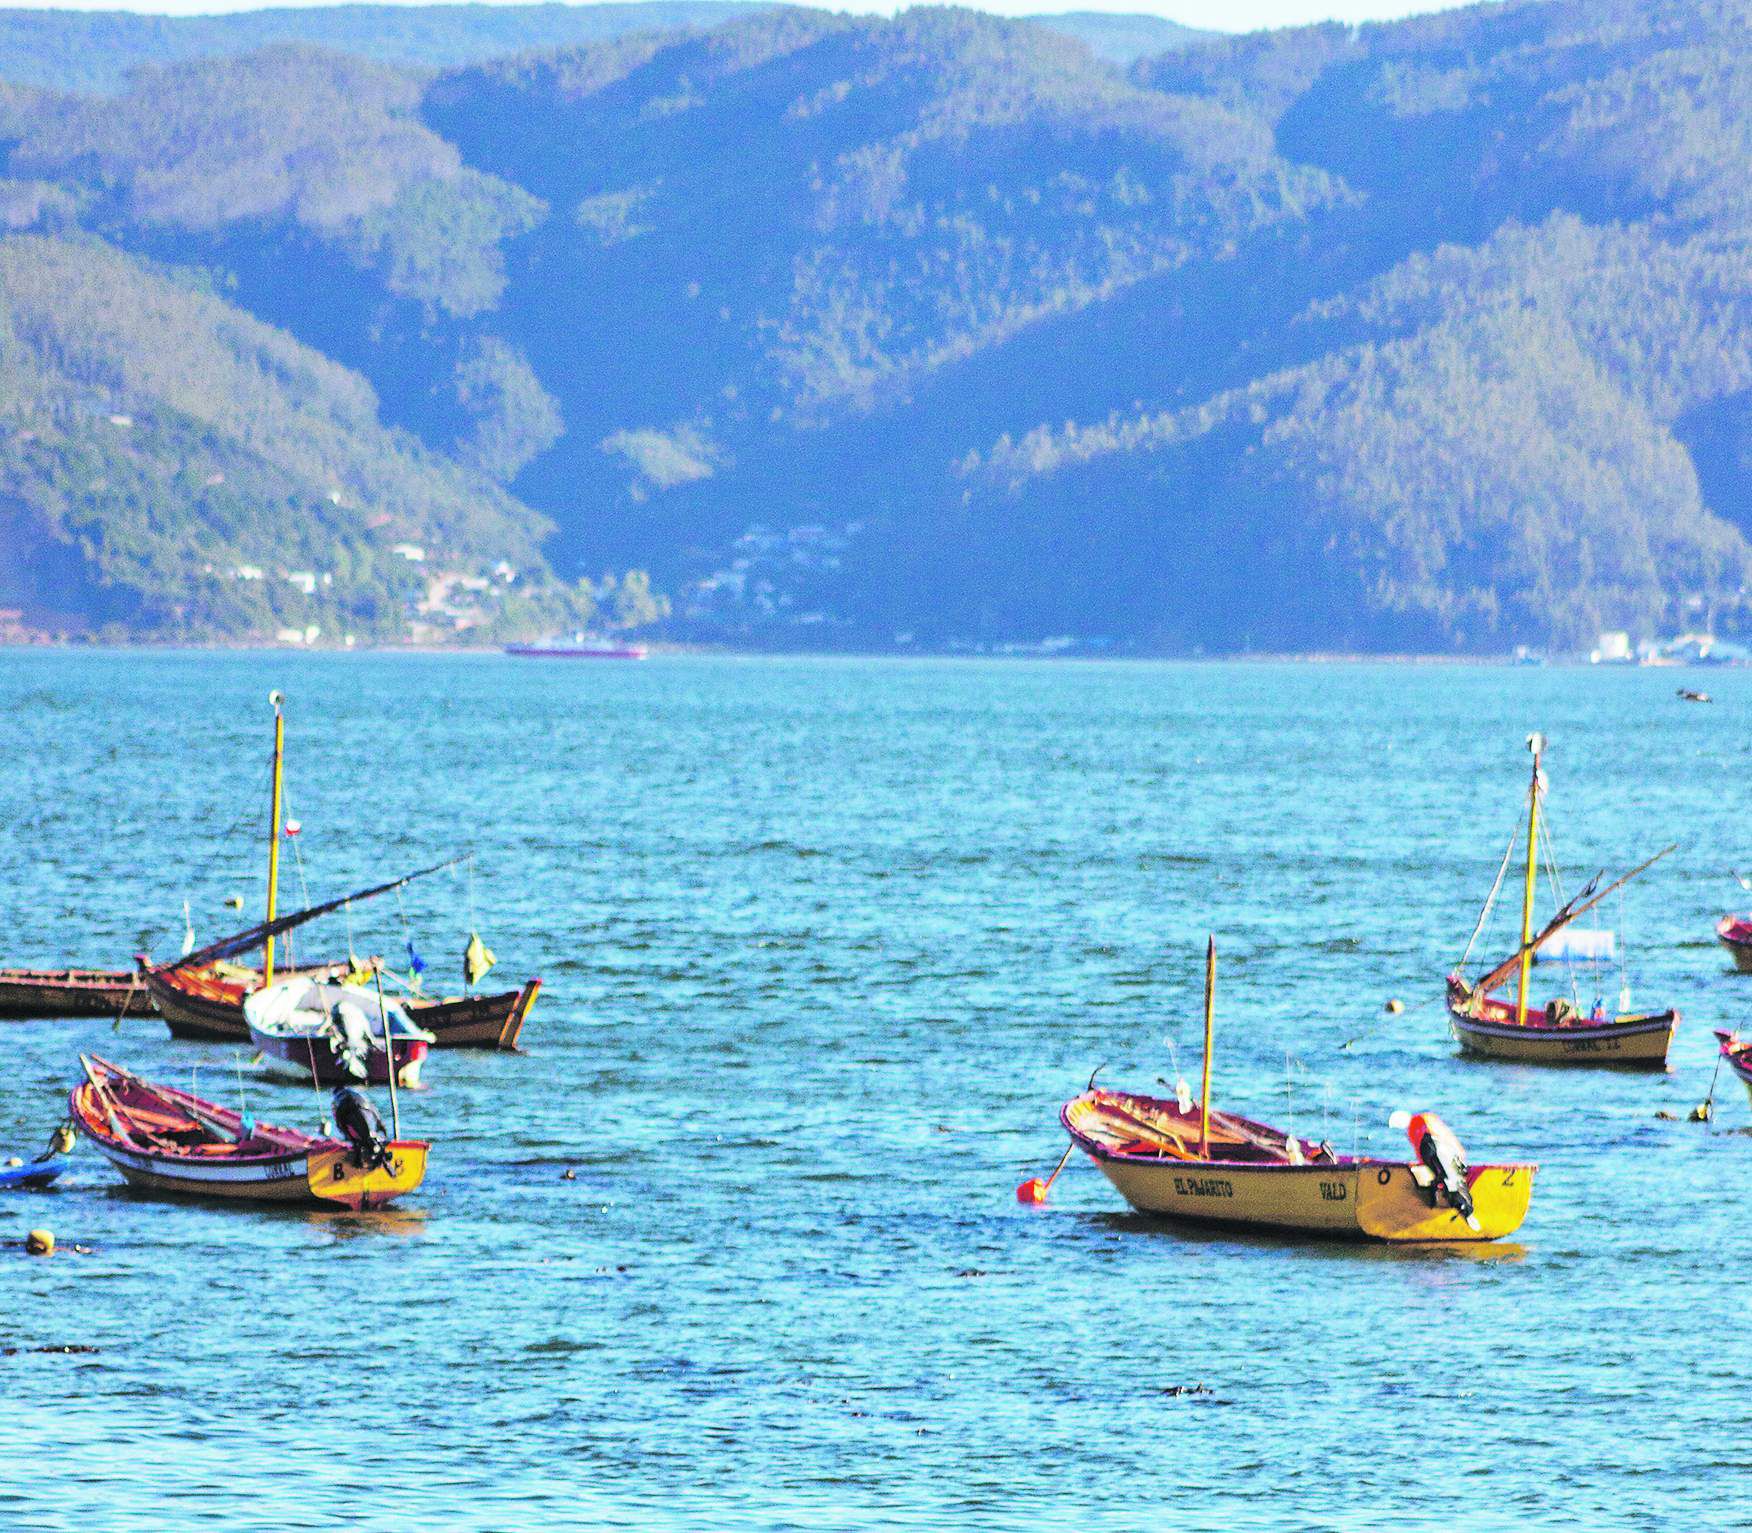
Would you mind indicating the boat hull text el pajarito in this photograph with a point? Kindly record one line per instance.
(1184, 1160)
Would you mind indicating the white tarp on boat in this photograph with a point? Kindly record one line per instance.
(1579, 944)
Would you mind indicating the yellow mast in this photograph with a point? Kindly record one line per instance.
(1204, 1094)
(1536, 744)
(274, 837)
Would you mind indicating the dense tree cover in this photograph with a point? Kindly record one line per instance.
(327, 145)
(97, 50)
(1427, 334)
(186, 459)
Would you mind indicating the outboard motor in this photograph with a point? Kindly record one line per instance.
(1441, 1151)
(357, 1119)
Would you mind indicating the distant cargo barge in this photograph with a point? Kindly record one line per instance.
(578, 647)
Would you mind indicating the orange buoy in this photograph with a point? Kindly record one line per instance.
(1031, 1191)
(40, 1243)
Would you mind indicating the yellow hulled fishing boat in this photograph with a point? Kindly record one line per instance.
(1559, 1032)
(1185, 1160)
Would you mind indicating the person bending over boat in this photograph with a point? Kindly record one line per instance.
(356, 1118)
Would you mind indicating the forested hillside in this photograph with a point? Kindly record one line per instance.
(96, 50)
(939, 330)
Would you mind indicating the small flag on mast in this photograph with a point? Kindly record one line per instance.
(477, 958)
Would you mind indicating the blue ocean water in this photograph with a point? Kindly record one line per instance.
(825, 944)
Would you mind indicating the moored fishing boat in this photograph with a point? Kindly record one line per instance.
(169, 1141)
(1735, 933)
(40, 993)
(1241, 1172)
(1736, 1054)
(1183, 1159)
(201, 995)
(1560, 1032)
(333, 1034)
(205, 1001)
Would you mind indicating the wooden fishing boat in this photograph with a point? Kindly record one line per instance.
(1736, 1054)
(475, 1021)
(1735, 933)
(1185, 1160)
(205, 1001)
(1250, 1174)
(201, 995)
(168, 1141)
(334, 1034)
(1558, 1032)
(33, 993)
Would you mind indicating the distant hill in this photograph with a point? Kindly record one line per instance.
(1122, 38)
(95, 50)
(944, 331)
(169, 465)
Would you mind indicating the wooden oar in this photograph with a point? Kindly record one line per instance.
(104, 1099)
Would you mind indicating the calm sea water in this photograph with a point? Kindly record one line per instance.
(826, 944)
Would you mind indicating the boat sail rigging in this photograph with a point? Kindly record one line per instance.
(201, 994)
(1557, 1033)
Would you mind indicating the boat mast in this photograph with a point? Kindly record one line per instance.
(389, 1054)
(1204, 1094)
(1536, 744)
(274, 838)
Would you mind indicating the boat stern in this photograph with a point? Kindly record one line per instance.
(336, 1175)
(1393, 1204)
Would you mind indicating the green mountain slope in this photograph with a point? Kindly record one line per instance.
(96, 50)
(945, 330)
(166, 462)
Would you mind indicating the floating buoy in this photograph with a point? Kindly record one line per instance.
(40, 1243)
(1395, 1006)
(1031, 1191)
(234, 902)
(570, 1175)
(14, 1160)
(1702, 1113)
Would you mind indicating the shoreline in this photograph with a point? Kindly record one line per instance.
(671, 651)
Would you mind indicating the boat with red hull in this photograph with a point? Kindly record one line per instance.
(1736, 1054)
(168, 1141)
(1735, 933)
(26, 994)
